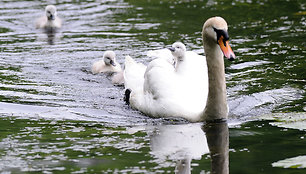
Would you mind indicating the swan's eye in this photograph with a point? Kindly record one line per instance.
(221, 33)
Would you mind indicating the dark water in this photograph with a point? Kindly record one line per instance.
(58, 117)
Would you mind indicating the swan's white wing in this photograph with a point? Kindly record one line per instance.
(192, 64)
(165, 95)
(159, 77)
(133, 74)
(150, 86)
(162, 53)
(196, 75)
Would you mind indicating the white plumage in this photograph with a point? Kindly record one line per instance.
(50, 20)
(166, 90)
(109, 65)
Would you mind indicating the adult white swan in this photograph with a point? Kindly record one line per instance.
(163, 91)
(50, 20)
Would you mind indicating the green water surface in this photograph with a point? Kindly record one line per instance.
(57, 117)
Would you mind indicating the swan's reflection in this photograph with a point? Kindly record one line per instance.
(50, 35)
(218, 142)
(182, 143)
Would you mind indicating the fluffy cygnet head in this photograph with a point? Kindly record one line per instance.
(178, 50)
(51, 12)
(109, 58)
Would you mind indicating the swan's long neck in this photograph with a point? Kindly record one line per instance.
(216, 106)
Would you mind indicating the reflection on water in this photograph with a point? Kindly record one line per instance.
(218, 142)
(40, 145)
(179, 143)
(51, 35)
(183, 143)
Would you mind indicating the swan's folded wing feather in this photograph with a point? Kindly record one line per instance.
(133, 74)
(160, 78)
(162, 53)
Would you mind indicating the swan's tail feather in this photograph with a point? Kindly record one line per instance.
(133, 74)
(129, 61)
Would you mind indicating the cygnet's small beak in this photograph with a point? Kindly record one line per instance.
(112, 63)
(51, 17)
(171, 49)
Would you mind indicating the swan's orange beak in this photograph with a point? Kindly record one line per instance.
(226, 48)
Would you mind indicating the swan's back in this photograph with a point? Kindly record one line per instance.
(162, 53)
